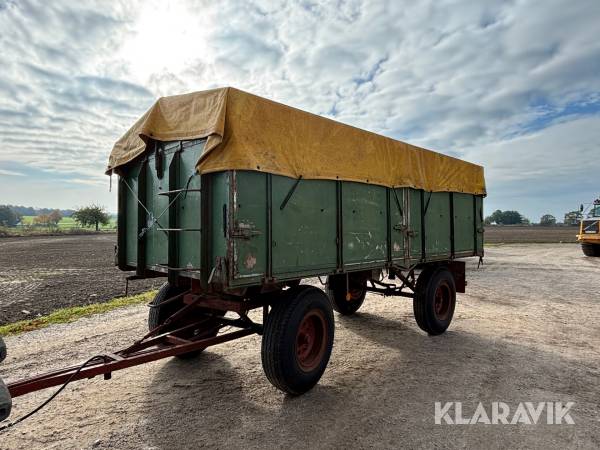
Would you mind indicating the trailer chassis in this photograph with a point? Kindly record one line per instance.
(197, 310)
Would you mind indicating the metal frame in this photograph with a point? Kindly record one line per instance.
(140, 353)
(393, 290)
(156, 344)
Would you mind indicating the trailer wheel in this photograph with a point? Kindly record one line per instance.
(2, 350)
(590, 249)
(5, 401)
(297, 339)
(346, 299)
(434, 300)
(159, 313)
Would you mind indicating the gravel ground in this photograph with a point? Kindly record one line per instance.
(41, 274)
(527, 330)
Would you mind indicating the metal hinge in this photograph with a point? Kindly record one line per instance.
(405, 230)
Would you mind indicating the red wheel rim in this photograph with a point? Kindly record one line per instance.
(311, 340)
(355, 294)
(442, 301)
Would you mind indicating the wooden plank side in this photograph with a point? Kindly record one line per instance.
(437, 225)
(188, 207)
(247, 227)
(464, 225)
(304, 226)
(364, 216)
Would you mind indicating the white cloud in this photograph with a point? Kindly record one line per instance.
(11, 173)
(493, 81)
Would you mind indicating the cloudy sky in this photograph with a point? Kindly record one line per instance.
(511, 85)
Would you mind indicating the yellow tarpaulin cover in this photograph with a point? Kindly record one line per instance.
(247, 132)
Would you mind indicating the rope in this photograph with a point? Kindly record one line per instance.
(52, 397)
(154, 220)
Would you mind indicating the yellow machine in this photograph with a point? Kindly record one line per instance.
(589, 230)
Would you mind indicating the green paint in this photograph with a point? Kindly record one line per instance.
(304, 231)
(364, 213)
(298, 240)
(188, 207)
(219, 183)
(414, 230)
(156, 240)
(248, 228)
(437, 224)
(479, 223)
(131, 215)
(463, 223)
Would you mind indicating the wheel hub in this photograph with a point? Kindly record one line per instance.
(442, 301)
(311, 340)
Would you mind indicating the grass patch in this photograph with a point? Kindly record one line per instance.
(73, 313)
(70, 222)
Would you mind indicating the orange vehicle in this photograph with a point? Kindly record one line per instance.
(589, 230)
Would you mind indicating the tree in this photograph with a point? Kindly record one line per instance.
(91, 215)
(547, 220)
(42, 219)
(8, 217)
(505, 218)
(573, 217)
(511, 218)
(55, 217)
(496, 217)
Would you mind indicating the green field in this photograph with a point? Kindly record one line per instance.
(69, 223)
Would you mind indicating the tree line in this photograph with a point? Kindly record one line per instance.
(500, 217)
(32, 211)
(88, 216)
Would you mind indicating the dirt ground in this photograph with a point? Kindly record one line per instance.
(529, 234)
(41, 274)
(528, 329)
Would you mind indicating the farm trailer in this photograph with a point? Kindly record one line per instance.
(236, 199)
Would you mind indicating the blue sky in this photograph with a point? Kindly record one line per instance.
(511, 85)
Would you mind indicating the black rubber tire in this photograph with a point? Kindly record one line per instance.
(5, 401)
(337, 290)
(279, 342)
(2, 350)
(590, 249)
(158, 314)
(293, 283)
(424, 301)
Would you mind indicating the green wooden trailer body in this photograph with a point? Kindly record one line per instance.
(236, 229)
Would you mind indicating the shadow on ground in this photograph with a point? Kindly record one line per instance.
(381, 396)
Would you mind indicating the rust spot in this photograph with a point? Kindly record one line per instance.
(250, 261)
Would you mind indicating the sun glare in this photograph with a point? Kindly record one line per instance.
(167, 36)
